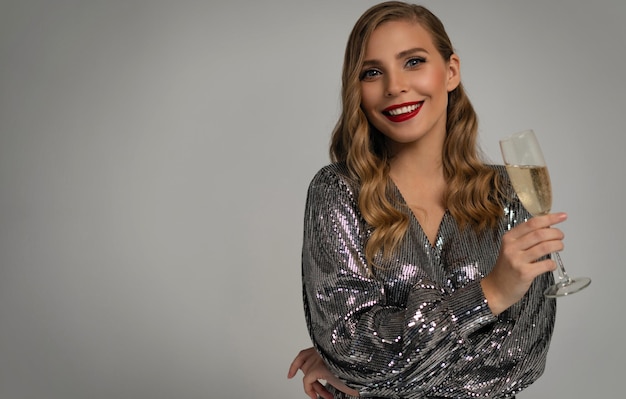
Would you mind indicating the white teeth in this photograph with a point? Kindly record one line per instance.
(404, 110)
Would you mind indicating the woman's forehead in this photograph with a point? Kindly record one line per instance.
(398, 35)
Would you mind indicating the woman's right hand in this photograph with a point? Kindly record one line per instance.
(314, 369)
(517, 264)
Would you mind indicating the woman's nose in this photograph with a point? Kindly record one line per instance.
(396, 84)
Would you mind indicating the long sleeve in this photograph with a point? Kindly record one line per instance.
(413, 332)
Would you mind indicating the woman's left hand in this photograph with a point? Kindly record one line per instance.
(314, 369)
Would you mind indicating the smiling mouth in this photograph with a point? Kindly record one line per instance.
(402, 112)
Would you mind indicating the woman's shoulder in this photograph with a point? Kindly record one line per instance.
(505, 187)
(334, 176)
(501, 169)
(501, 174)
(333, 173)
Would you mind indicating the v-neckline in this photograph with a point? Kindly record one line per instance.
(437, 237)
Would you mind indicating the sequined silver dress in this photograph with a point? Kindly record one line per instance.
(421, 327)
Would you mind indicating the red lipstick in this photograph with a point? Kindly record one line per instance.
(402, 112)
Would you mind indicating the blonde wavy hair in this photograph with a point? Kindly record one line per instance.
(472, 193)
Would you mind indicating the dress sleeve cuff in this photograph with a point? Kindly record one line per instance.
(469, 309)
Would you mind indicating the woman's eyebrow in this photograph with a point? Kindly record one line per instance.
(408, 52)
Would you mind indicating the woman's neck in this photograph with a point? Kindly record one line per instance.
(417, 161)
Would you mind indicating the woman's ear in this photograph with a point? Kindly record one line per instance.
(454, 72)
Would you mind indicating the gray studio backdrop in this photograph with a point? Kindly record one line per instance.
(154, 159)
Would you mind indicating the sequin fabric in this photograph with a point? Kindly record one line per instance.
(420, 326)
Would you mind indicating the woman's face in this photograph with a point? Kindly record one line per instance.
(405, 82)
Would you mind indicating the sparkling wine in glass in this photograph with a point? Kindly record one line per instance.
(528, 172)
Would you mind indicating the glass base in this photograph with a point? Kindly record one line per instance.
(567, 287)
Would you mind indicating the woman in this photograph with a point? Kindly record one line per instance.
(423, 274)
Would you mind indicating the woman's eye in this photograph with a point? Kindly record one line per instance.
(413, 62)
(369, 74)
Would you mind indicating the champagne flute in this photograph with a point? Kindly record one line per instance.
(528, 172)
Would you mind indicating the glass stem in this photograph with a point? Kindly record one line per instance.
(563, 277)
